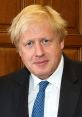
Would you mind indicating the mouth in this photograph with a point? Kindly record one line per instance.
(41, 62)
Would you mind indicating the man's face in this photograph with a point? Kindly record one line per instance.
(40, 49)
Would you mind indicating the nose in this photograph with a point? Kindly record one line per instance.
(39, 50)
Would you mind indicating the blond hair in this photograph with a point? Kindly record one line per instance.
(35, 13)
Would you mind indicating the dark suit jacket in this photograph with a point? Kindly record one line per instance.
(14, 92)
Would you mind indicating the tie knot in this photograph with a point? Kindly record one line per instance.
(43, 85)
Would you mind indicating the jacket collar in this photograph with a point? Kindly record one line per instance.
(70, 90)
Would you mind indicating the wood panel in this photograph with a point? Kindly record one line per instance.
(9, 60)
(80, 16)
(8, 10)
(73, 53)
(73, 47)
(71, 8)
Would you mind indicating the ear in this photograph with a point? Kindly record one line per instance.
(18, 51)
(62, 44)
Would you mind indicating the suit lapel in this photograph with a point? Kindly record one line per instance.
(22, 108)
(69, 92)
(21, 95)
(68, 99)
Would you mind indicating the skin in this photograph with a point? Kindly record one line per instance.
(40, 49)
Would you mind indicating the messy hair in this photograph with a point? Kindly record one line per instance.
(34, 13)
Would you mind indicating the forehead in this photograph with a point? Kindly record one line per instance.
(39, 28)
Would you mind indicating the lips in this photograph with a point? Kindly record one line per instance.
(41, 62)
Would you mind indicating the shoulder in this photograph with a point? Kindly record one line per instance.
(20, 73)
(73, 69)
(72, 63)
(13, 78)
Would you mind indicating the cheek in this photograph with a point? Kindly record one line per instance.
(26, 56)
(55, 52)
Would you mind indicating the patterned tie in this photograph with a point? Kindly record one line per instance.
(38, 108)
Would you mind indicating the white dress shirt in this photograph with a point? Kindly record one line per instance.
(52, 92)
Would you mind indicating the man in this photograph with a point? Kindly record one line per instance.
(38, 33)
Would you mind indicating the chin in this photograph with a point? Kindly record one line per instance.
(43, 75)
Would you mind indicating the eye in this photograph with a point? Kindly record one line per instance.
(29, 44)
(45, 41)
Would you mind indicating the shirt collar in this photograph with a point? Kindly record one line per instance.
(55, 78)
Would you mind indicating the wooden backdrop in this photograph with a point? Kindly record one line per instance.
(71, 10)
